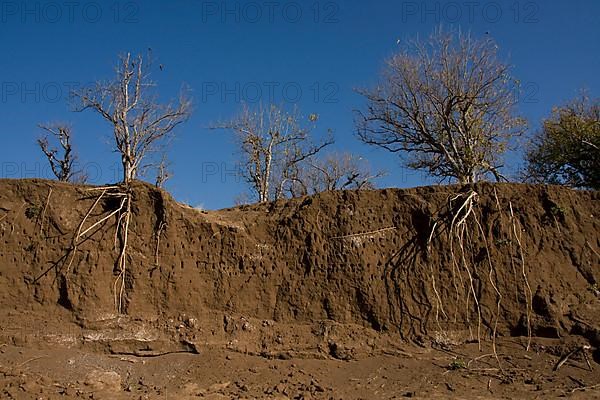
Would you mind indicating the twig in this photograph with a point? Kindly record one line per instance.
(30, 360)
(365, 233)
(584, 388)
(591, 248)
(566, 357)
(479, 358)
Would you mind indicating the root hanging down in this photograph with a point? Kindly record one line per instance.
(122, 230)
(529, 293)
(458, 230)
(83, 232)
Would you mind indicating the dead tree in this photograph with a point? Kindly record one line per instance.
(447, 105)
(139, 122)
(163, 173)
(141, 126)
(273, 145)
(62, 161)
(337, 171)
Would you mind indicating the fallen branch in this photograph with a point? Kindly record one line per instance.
(581, 349)
(585, 388)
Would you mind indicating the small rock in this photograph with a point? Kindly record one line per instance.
(246, 326)
(192, 389)
(217, 387)
(191, 323)
(104, 380)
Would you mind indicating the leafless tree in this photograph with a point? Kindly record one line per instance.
(62, 161)
(336, 171)
(163, 173)
(128, 103)
(274, 144)
(448, 104)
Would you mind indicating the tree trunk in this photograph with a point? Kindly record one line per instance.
(128, 170)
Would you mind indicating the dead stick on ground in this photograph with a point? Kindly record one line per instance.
(566, 357)
(585, 388)
(479, 358)
(591, 248)
(30, 360)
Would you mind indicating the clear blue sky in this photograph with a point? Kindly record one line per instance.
(310, 52)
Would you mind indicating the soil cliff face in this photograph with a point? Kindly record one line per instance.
(444, 262)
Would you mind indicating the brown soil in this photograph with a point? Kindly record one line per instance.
(343, 295)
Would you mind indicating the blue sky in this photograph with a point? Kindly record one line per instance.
(313, 53)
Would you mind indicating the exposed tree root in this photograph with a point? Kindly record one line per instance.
(43, 214)
(159, 232)
(84, 232)
(498, 294)
(529, 293)
(463, 223)
(122, 227)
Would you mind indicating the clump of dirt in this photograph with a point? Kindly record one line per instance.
(337, 276)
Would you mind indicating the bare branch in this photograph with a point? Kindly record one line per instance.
(274, 146)
(337, 171)
(141, 125)
(62, 161)
(447, 104)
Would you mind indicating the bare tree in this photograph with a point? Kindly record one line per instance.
(62, 161)
(163, 173)
(336, 171)
(273, 144)
(140, 123)
(447, 104)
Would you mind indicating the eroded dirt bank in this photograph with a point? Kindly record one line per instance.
(399, 276)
